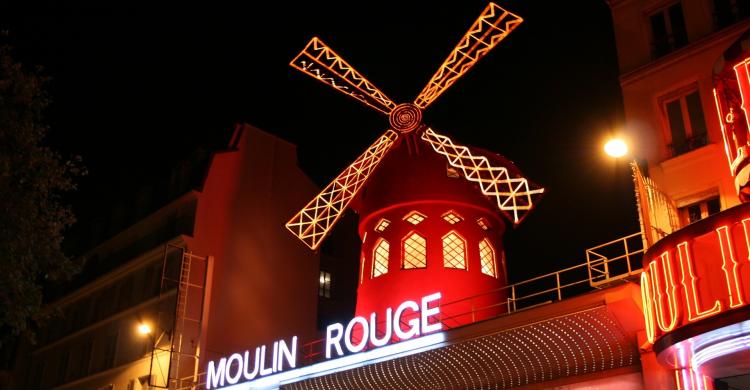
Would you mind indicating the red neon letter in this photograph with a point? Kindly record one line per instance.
(743, 81)
(648, 311)
(689, 285)
(729, 262)
(669, 291)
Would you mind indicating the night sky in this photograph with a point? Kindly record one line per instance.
(137, 90)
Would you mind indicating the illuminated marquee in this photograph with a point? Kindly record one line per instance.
(409, 320)
(238, 367)
(696, 273)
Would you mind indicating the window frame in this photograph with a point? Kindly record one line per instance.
(702, 202)
(375, 247)
(692, 141)
(493, 258)
(409, 235)
(324, 284)
(663, 10)
(465, 252)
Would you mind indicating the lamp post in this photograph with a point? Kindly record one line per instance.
(160, 358)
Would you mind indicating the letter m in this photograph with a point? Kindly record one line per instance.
(215, 376)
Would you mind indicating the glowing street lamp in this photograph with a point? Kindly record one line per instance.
(144, 329)
(616, 148)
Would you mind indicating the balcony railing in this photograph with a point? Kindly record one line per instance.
(688, 144)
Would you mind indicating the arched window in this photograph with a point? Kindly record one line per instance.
(487, 258)
(454, 251)
(415, 251)
(380, 258)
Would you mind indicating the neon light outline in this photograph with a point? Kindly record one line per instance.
(735, 297)
(720, 113)
(744, 84)
(691, 289)
(671, 297)
(648, 310)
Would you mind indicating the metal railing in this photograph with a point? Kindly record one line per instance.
(614, 260)
(606, 264)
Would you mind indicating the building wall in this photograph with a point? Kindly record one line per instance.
(261, 282)
(651, 81)
(94, 343)
(264, 283)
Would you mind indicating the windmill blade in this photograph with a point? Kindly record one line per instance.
(322, 63)
(488, 30)
(315, 220)
(514, 196)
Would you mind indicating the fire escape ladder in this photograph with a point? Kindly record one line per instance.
(176, 352)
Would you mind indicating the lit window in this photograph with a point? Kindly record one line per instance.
(382, 224)
(380, 258)
(452, 218)
(415, 251)
(324, 287)
(668, 31)
(454, 251)
(697, 211)
(483, 224)
(487, 258)
(685, 120)
(414, 218)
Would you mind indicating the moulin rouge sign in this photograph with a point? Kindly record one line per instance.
(698, 272)
(409, 320)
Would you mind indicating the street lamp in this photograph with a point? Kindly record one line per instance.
(616, 148)
(144, 328)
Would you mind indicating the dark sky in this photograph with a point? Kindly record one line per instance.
(135, 90)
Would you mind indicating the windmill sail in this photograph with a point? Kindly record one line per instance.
(317, 218)
(321, 62)
(514, 196)
(492, 26)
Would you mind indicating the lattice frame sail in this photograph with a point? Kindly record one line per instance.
(514, 196)
(492, 26)
(316, 219)
(321, 62)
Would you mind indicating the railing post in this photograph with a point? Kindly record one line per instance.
(627, 255)
(513, 295)
(606, 268)
(559, 290)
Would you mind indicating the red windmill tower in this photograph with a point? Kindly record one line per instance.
(428, 207)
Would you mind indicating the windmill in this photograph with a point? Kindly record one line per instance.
(396, 160)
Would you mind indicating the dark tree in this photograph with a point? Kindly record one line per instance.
(32, 216)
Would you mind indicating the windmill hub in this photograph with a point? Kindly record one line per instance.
(405, 117)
